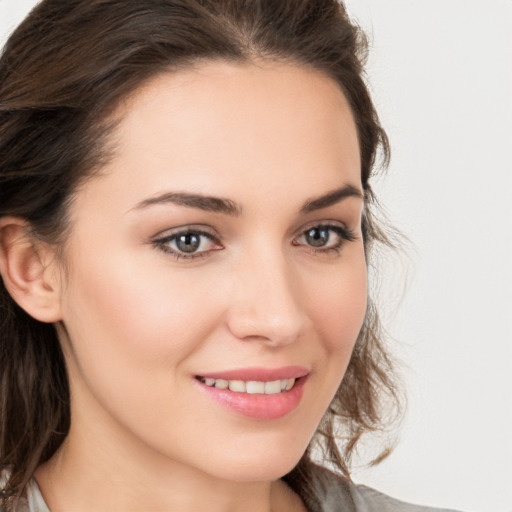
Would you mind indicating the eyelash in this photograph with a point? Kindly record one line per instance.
(344, 234)
(163, 243)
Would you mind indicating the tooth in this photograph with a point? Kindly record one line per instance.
(237, 385)
(251, 387)
(272, 388)
(255, 387)
(221, 384)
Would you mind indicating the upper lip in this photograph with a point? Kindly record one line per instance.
(258, 374)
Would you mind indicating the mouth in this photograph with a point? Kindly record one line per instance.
(251, 387)
(257, 393)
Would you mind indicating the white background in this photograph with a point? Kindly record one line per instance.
(441, 73)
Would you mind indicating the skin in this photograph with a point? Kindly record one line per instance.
(137, 324)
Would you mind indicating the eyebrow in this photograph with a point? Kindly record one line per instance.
(229, 207)
(200, 201)
(331, 198)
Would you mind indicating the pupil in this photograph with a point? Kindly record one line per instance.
(317, 237)
(188, 242)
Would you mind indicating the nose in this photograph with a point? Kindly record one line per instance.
(266, 301)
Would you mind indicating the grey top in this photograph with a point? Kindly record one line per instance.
(339, 496)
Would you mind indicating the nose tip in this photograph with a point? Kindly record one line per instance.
(267, 309)
(274, 330)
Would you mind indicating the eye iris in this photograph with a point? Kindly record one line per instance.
(188, 242)
(317, 237)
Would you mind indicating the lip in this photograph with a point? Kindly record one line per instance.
(259, 374)
(258, 406)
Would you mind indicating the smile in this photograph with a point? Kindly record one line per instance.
(257, 393)
(251, 387)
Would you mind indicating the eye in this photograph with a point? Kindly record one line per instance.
(317, 237)
(188, 243)
(325, 238)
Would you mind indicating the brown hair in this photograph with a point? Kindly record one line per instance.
(62, 74)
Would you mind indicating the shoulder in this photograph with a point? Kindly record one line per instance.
(335, 493)
(370, 500)
(31, 501)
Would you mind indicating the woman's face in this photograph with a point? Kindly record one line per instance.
(221, 246)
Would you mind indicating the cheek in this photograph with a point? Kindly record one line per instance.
(137, 310)
(338, 305)
(133, 332)
(131, 337)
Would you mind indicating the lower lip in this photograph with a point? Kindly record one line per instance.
(258, 406)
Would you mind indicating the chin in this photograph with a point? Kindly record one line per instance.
(262, 461)
(263, 470)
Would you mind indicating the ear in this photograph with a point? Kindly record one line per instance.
(28, 269)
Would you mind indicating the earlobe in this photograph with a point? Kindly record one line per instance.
(26, 267)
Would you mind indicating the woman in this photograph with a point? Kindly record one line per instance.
(185, 229)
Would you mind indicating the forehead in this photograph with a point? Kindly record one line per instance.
(217, 126)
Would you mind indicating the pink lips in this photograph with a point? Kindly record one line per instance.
(258, 406)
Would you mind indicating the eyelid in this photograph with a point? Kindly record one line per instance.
(186, 228)
(162, 240)
(322, 223)
(335, 225)
(341, 230)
